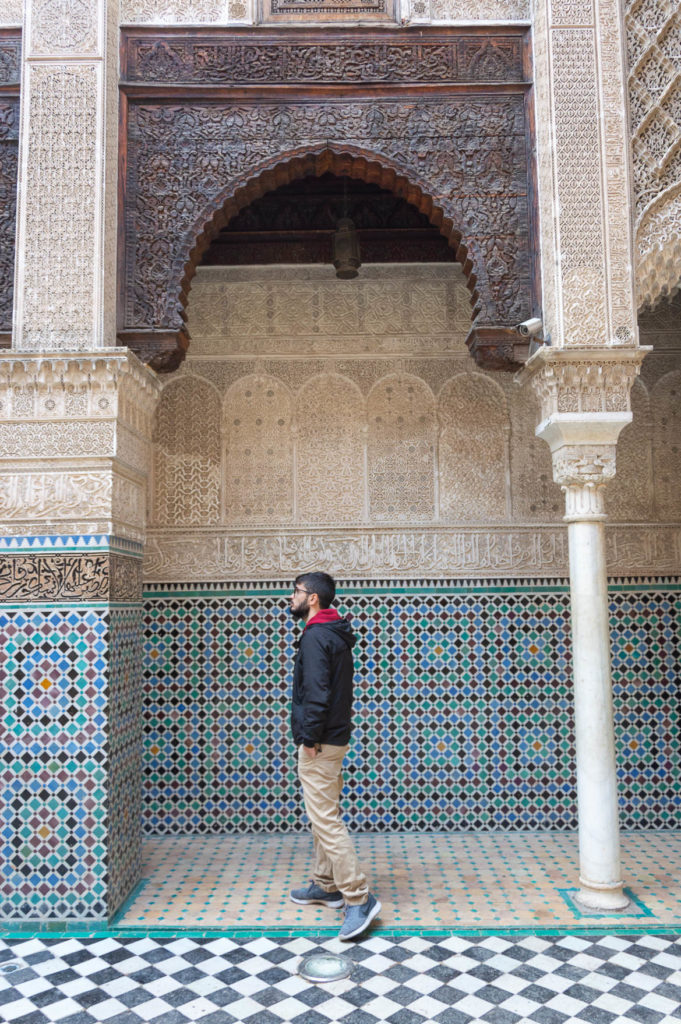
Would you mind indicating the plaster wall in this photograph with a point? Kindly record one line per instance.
(345, 424)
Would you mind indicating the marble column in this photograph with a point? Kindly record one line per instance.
(586, 257)
(584, 405)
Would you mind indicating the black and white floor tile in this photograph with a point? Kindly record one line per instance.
(604, 979)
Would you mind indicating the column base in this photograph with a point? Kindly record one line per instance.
(610, 898)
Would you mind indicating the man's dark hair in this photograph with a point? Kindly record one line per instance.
(319, 583)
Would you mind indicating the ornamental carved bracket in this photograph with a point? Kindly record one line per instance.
(214, 120)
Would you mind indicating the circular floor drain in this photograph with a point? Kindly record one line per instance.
(10, 966)
(325, 967)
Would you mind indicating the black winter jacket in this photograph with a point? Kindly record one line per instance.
(321, 711)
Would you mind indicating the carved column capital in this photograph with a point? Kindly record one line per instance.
(582, 471)
(585, 404)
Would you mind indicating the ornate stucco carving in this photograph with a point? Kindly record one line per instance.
(187, 454)
(74, 577)
(225, 12)
(69, 27)
(583, 175)
(585, 404)
(630, 494)
(186, 12)
(11, 12)
(57, 307)
(67, 177)
(666, 405)
(75, 436)
(473, 457)
(180, 556)
(414, 308)
(654, 46)
(484, 496)
(447, 11)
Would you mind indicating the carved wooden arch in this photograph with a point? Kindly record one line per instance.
(198, 153)
(295, 166)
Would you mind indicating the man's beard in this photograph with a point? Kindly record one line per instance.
(301, 611)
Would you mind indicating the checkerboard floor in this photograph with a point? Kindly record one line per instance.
(425, 880)
(603, 979)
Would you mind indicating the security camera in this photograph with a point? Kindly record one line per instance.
(530, 328)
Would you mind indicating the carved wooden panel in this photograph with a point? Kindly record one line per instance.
(10, 73)
(329, 10)
(209, 128)
(249, 58)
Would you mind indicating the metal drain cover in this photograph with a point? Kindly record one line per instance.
(10, 966)
(325, 967)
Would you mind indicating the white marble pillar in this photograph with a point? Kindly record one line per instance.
(585, 404)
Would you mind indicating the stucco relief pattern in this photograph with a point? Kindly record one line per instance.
(9, 144)
(445, 11)
(654, 49)
(75, 436)
(381, 553)
(588, 291)
(418, 309)
(67, 177)
(64, 27)
(77, 577)
(60, 211)
(423, 464)
(186, 12)
(224, 12)
(11, 12)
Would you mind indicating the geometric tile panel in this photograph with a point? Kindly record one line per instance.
(53, 688)
(125, 754)
(463, 708)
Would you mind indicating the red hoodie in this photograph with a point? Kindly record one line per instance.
(323, 615)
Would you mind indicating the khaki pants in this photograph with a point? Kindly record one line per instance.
(336, 865)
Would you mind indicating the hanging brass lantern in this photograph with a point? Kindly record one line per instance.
(346, 258)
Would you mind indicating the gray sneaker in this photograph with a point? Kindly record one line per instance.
(358, 918)
(315, 894)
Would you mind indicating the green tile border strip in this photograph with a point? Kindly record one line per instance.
(580, 912)
(84, 930)
(346, 588)
(128, 902)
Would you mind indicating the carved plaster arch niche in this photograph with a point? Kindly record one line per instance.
(197, 156)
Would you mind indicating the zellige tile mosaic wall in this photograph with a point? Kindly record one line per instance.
(70, 734)
(53, 688)
(463, 708)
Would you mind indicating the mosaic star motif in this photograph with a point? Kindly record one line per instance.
(463, 711)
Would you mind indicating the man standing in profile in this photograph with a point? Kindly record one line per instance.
(321, 723)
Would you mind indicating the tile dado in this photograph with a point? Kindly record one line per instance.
(463, 713)
(70, 749)
(70, 741)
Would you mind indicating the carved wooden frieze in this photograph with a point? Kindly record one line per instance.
(458, 152)
(76, 577)
(209, 59)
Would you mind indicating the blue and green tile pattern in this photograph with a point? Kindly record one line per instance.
(463, 708)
